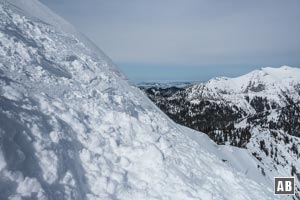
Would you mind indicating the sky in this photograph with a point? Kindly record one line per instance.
(188, 40)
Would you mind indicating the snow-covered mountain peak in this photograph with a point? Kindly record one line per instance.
(265, 82)
(268, 83)
(73, 128)
(259, 111)
(258, 80)
(283, 74)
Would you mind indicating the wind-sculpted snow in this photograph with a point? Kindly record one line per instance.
(71, 127)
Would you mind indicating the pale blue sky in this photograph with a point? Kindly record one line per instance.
(188, 39)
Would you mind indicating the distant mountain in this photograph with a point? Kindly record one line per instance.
(72, 127)
(164, 84)
(259, 111)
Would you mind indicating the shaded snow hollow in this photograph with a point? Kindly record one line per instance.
(73, 128)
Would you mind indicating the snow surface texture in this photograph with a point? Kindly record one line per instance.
(73, 128)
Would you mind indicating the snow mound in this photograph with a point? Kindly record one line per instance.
(71, 127)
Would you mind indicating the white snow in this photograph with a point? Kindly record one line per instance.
(267, 83)
(73, 128)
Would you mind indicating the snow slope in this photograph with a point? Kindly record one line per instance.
(71, 127)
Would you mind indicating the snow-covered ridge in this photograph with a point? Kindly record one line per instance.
(35, 10)
(72, 128)
(259, 111)
(267, 83)
(266, 78)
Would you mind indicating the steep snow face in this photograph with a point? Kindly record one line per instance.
(73, 128)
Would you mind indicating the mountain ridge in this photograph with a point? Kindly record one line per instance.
(264, 119)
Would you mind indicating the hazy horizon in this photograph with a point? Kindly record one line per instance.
(188, 40)
(167, 74)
